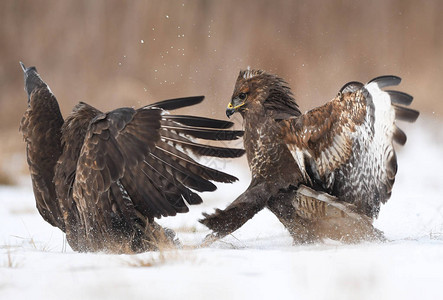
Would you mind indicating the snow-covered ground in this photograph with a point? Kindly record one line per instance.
(257, 262)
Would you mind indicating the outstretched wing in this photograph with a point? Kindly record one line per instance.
(346, 146)
(132, 165)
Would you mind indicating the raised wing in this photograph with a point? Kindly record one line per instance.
(40, 126)
(346, 146)
(132, 167)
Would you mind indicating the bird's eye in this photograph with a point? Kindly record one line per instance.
(242, 96)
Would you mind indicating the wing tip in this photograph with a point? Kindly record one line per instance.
(176, 103)
(23, 66)
(386, 80)
(401, 98)
(406, 114)
(351, 87)
(399, 136)
(200, 121)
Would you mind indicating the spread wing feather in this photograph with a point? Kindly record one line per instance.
(401, 98)
(199, 121)
(351, 87)
(202, 133)
(386, 80)
(183, 160)
(176, 103)
(186, 176)
(399, 136)
(128, 170)
(346, 146)
(405, 114)
(199, 149)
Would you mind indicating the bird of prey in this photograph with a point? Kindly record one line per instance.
(102, 178)
(323, 173)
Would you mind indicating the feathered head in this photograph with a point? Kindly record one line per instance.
(258, 88)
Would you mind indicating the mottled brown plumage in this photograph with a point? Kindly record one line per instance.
(323, 173)
(104, 177)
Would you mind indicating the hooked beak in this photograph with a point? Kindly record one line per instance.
(230, 110)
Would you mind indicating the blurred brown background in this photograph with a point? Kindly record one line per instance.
(131, 53)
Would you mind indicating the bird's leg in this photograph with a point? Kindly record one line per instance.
(160, 238)
(332, 218)
(224, 222)
(150, 236)
(301, 230)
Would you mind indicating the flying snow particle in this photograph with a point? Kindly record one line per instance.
(142, 41)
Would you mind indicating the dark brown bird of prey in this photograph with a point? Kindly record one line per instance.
(102, 178)
(323, 173)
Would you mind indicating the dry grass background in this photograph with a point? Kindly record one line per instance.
(130, 53)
